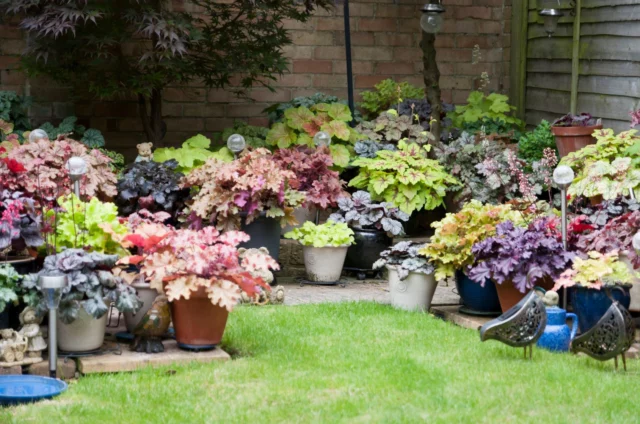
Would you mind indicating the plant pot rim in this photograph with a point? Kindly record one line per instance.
(16, 259)
(367, 230)
(393, 267)
(602, 289)
(575, 131)
(326, 247)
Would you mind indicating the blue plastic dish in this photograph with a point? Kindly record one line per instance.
(16, 389)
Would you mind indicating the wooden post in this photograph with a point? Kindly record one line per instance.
(431, 75)
(519, 41)
(575, 58)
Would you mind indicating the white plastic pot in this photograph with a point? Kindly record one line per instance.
(302, 215)
(84, 334)
(635, 288)
(414, 292)
(147, 295)
(324, 264)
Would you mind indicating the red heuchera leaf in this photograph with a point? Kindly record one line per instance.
(14, 166)
(136, 239)
(233, 238)
(131, 260)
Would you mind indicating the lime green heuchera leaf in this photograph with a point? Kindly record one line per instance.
(337, 129)
(597, 270)
(198, 141)
(339, 112)
(6, 127)
(281, 135)
(329, 234)
(340, 155)
(297, 117)
(193, 153)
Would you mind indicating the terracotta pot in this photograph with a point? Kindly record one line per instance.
(199, 324)
(509, 295)
(572, 139)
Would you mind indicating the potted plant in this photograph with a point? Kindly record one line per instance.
(20, 229)
(518, 259)
(313, 176)
(411, 276)
(590, 279)
(202, 276)
(9, 288)
(250, 193)
(91, 287)
(573, 132)
(390, 127)
(450, 251)
(373, 224)
(193, 153)
(324, 248)
(151, 186)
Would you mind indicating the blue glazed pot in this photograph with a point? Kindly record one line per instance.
(557, 336)
(590, 304)
(476, 299)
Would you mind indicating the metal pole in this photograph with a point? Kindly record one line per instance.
(347, 46)
(76, 187)
(575, 57)
(53, 343)
(563, 193)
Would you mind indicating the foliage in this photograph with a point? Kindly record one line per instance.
(46, 176)
(20, 223)
(137, 48)
(406, 178)
(329, 234)
(276, 111)
(89, 285)
(388, 94)
(390, 128)
(455, 235)
(152, 186)
(532, 144)
(609, 168)
(520, 256)
(91, 138)
(253, 135)
(117, 160)
(322, 186)
(359, 211)
(252, 184)
(493, 128)
(369, 148)
(85, 225)
(9, 285)
(302, 123)
(405, 258)
(420, 111)
(494, 107)
(14, 109)
(596, 271)
(570, 120)
(602, 213)
(193, 154)
(181, 262)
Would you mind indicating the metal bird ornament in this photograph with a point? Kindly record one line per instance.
(520, 326)
(152, 327)
(612, 335)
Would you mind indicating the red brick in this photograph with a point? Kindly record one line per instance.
(326, 52)
(298, 52)
(333, 24)
(10, 31)
(115, 109)
(182, 124)
(489, 27)
(218, 124)
(390, 39)
(368, 81)
(476, 12)
(13, 46)
(294, 80)
(355, 9)
(203, 110)
(183, 94)
(407, 54)
(265, 95)
(129, 124)
(244, 110)
(359, 67)
(172, 109)
(453, 55)
(331, 81)
(259, 122)
(372, 53)
(444, 41)
(304, 38)
(397, 11)
(9, 62)
(377, 25)
(310, 25)
(12, 77)
(312, 66)
(395, 68)
(483, 41)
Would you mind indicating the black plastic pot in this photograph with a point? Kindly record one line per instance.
(367, 248)
(419, 223)
(264, 232)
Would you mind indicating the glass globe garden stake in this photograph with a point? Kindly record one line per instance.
(37, 135)
(563, 176)
(432, 19)
(236, 143)
(321, 139)
(77, 167)
(51, 287)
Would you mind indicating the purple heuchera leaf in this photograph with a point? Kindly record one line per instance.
(569, 120)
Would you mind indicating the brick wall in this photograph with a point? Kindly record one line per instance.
(385, 43)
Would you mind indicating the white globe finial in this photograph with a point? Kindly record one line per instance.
(76, 166)
(563, 176)
(236, 143)
(322, 139)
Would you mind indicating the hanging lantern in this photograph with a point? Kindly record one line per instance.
(432, 19)
(551, 17)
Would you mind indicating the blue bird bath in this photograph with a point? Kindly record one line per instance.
(591, 304)
(557, 336)
(477, 300)
(15, 389)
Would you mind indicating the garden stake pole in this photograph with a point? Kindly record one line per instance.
(347, 47)
(575, 57)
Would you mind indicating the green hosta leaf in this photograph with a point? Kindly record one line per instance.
(297, 117)
(340, 155)
(337, 129)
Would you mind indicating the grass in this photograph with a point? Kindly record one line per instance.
(356, 363)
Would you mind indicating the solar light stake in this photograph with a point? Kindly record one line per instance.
(51, 287)
(77, 167)
(236, 143)
(563, 176)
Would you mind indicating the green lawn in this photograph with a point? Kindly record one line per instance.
(352, 362)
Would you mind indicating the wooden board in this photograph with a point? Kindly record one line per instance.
(451, 314)
(131, 361)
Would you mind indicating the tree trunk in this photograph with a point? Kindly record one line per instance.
(152, 117)
(431, 75)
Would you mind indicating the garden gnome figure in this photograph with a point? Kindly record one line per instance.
(32, 332)
(145, 153)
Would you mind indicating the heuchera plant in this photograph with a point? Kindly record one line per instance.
(520, 256)
(369, 148)
(455, 235)
(570, 120)
(276, 111)
(329, 234)
(359, 211)
(406, 178)
(46, 176)
(388, 94)
(251, 184)
(405, 258)
(596, 271)
(90, 286)
(9, 286)
(494, 106)
(532, 144)
(313, 175)
(253, 135)
(390, 128)
(193, 154)
(152, 186)
(181, 262)
(609, 168)
(20, 222)
(301, 124)
(85, 225)
(599, 215)
(420, 111)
